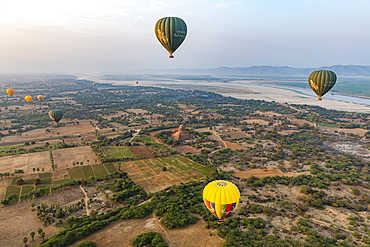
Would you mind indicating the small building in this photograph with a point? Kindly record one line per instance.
(182, 134)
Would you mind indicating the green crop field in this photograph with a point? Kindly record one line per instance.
(44, 175)
(100, 171)
(110, 168)
(45, 178)
(118, 152)
(158, 173)
(12, 190)
(146, 138)
(75, 173)
(88, 172)
(27, 189)
(125, 152)
(62, 181)
(115, 152)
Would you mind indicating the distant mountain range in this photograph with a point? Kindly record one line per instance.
(349, 70)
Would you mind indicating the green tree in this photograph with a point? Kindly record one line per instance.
(36, 181)
(86, 244)
(19, 181)
(32, 234)
(25, 240)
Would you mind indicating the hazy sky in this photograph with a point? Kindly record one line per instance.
(81, 36)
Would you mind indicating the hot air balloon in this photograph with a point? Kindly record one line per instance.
(221, 198)
(137, 82)
(28, 98)
(10, 91)
(170, 32)
(40, 97)
(56, 115)
(321, 81)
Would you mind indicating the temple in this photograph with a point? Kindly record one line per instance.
(182, 134)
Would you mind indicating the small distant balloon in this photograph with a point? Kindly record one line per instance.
(28, 98)
(321, 81)
(170, 32)
(40, 97)
(10, 91)
(221, 198)
(56, 115)
(137, 82)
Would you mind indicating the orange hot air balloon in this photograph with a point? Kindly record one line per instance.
(137, 82)
(40, 97)
(28, 98)
(10, 91)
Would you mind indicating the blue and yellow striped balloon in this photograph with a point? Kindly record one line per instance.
(221, 198)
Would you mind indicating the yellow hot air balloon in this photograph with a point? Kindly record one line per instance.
(40, 97)
(10, 91)
(221, 198)
(28, 98)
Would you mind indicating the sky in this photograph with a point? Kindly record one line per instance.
(114, 36)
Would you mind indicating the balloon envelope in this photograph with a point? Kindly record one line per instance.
(321, 81)
(170, 32)
(10, 91)
(40, 97)
(28, 98)
(56, 115)
(221, 198)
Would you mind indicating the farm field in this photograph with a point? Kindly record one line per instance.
(84, 127)
(121, 152)
(64, 158)
(26, 162)
(149, 174)
(17, 221)
(48, 179)
(194, 235)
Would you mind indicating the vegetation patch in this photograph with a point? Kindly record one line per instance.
(62, 181)
(75, 173)
(100, 171)
(88, 172)
(12, 190)
(27, 189)
(158, 173)
(110, 168)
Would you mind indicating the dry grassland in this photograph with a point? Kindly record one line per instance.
(26, 162)
(17, 221)
(64, 158)
(121, 233)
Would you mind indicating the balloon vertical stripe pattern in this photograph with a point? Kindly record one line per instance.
(170, 32)
(56, 115)
(221, 198)
(321, 81)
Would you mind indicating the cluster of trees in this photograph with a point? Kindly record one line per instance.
(21, 150)
(11, 174)
(48, 213)
(153, 239)
(124, 190)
